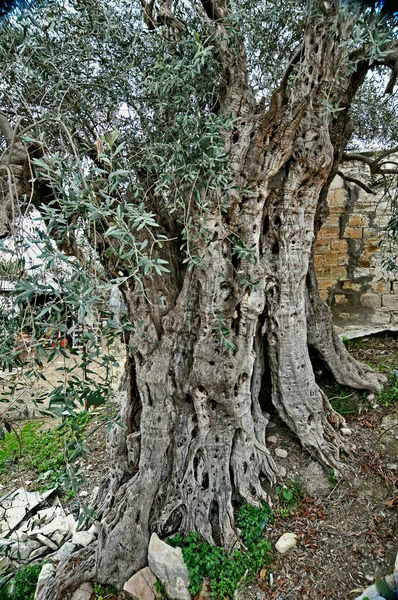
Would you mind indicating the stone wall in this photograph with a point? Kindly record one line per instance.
(350, 251)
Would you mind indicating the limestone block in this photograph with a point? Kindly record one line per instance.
(349, 285)
(330, 260)
(353, 232)
(83, 538)
(364, 260)
(390, 301)
(330, 233)
(85, 591)
(322, 247)
(340, 299)
(338, 182)
(342, 258)
(64, 552)
(337, 198)
(332, 220)
(357, 221)
(318, 261)
(338, 272)
(324, 294)
(380, 286)
(339, 245)
(326, 284)
(371, 300)
(370, 232)
(381, 318)
(373, 244)
(323, 273)
(362, 272)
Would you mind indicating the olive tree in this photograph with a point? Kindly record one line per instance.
(191, 146)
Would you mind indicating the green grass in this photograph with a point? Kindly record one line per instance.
(45, 452)
(389, 394)
(354, 343)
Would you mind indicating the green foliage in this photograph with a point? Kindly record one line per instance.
(225, 571)
(352, 343)
(103, 592)
(252, 521)
(160, 589)
(23, 586)
(332, 477)
(46, 452)
(291, 493)
(389, 394)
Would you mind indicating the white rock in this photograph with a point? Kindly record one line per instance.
(47, 542)
(345, 431)
(83, 494)
(19, 536)
(23, 550)
(84, 592)
(272, 439)
(56, 525)
(46, 574)
(58, 537)
(286, 542)
(280, 452)
(15, 506)
(168, 565)
(95, 528)
(64, 552)
(82, 538)
(70, 523)
(141, 586)
(282, 472)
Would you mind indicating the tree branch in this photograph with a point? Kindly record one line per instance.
(357, 182)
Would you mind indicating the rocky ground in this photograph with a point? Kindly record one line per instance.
(346, 528)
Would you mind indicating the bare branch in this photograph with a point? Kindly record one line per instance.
(357, 157)
(357, 182)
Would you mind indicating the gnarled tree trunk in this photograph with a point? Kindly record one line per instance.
(195, 427)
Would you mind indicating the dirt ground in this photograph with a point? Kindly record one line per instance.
(347, 530)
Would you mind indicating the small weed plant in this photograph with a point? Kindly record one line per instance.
(332, 477)
(226, 571)
(389, 395)
(291, 493)
(102, 592)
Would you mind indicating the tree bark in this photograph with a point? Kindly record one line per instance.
(195, 437)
